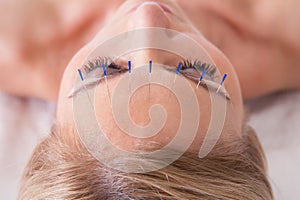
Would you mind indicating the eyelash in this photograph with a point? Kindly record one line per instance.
(113, 68)
(98, 62)
(200, 67)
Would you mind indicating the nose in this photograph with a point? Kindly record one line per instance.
(148, 14)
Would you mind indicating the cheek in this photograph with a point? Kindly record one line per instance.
(64, 113)
(232, 85)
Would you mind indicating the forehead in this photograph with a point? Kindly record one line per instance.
(140, 105)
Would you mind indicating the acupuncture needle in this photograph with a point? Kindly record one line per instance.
(222, 82)
(150, 72)
(175, 78)
(105, 77)
(82, 79)
(129, 71)
(201, 78)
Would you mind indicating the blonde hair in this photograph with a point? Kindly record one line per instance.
(61, 168)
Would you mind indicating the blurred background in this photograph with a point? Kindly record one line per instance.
(25, 47)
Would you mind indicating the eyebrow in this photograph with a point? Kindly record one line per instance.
(92, 82)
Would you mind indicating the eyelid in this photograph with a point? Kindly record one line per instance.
(213, 85)
(204, 83)
(92, 65)
(110, 69)
(199, 66)
(91, 82)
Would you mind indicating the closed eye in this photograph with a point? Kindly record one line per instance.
(94, 74)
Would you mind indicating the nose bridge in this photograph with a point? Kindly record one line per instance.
(149, 14)
(143, 57)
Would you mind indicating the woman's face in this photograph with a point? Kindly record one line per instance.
(134, 14)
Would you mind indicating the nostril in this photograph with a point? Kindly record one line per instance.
(149, 14)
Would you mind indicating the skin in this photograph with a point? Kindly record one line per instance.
(151, 15)
(248, 41)
(259, 37)
(262, 43)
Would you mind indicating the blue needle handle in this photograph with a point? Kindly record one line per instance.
(178, 68)
(129, 66)
(224, 78)
(80, 74)
(202, 76)
(104, 69)
(150, 69)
